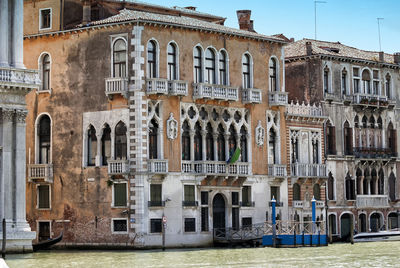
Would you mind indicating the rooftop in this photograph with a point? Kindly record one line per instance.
(298, 49)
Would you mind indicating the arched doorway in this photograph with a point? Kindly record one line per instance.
(218, 211)
(345, 226)
(362, 223)
(375, 222)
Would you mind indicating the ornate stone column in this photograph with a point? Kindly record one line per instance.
(191, 133)
(4, 26)
(98, 150)
(226, 135)
(17, 34)
(204, 145)
(215, 147)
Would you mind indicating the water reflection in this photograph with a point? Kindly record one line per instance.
(379, 254)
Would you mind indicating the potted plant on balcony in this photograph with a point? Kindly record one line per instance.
(364, 101)
(383, 103)
(373, 101)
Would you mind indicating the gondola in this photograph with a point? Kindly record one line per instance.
(46, 244)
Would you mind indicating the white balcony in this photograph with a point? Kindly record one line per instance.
(118, 167)
(19, 78)
(308, 170)
(157, 166)
(304, 110)
(277, 170)
(116, 85)
(298, 204)
(216, 168)
(177, 88)
(40, 172)
(370, 100)
(277, 98)
(156, 86)
(216, 92)
(372, 201)
(251, 95)
(307, 204)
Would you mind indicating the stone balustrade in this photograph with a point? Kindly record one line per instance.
(157, 166)
(22, 78)
(308, 170)
(40, 172)
(118, 167)
(372, 201)
(117, 85)
(165, 86)
(307, 204)
(277, 98)
(275, 170)
(216, 168)
(251, 95)
(217, 92)
(304, 109)
(177, 88)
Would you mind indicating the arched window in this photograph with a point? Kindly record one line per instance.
(381, 182)
(210, 67)
(272, 147)
(392, 141)
(185, 141)
(375, 76)
(372, 132)
(92, 147)
(366, 82)
(106, 145)
(326, 80)
(152, 59)
(221, 143)
(246, 71)
(364, 132)
(243, 145)
(120, 141)
(232, 140)
(365, 182)
(331, 185)
(119, 58)
(388, 88)
(209, 143)
(198, 143)
(296, 192)
(348, 139)
(359, 179)
(46, 72)
(272, 75)
(44, 135)
(295, 149)
(223, 73)
(198, 66)
(350, 194)
(332, 223)
(317, 191)
(331, 138)
(153, 139)
(392, 187)
(344, 82)
(172, 59)
(315, 151)
(373, 181)
(379, 133)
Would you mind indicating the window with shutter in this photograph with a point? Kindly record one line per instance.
(120, 198)
(44, 196)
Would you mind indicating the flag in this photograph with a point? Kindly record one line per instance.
(235, 156)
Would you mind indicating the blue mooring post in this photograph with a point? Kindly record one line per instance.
(313, 203)
(273, 204)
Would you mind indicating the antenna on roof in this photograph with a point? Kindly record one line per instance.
(379, 33)
(315, 15)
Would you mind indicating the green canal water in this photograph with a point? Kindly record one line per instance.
(378, 254)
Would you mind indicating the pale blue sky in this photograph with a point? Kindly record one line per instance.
(351, 22)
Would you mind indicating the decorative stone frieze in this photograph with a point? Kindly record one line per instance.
(260, 134)
(172, 127)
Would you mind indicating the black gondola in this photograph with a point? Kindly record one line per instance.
(46, 244)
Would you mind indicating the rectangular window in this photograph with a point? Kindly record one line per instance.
(155, 195)
(275, 193)
(155, 226)
(246, 196)
(247, 222)
(356, 80)
(44, 230)
(204, 219)
(120, 225)
(189, 196)
(120, 198)
(204, 198)
(190, 225)
(43, 196)
(235, 218)
(45, 19)
(235, 198)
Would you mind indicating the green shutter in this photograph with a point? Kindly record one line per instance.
(155, 192)
(189, 193)
(120, 194)
(44, 196)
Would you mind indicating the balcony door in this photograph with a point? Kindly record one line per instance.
(218, 211)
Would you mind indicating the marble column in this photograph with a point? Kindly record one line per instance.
(204, 145)
(4, 33)
(215, 140)
(17, 35)
(98, 150)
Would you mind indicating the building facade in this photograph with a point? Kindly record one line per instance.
(148, 114)
(15, 82)
(358, 92)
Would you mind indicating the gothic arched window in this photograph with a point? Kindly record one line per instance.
(153, 139)
(120, 141)
(92, 147)
(106, 145)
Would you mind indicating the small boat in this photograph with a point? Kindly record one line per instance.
(47, 243)
(393, 235)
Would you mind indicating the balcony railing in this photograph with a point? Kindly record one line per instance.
(277, 170)
(307, 204)
(329, 96)
(277, 203)
(190, 203)
(369, 152)
(177, 88)
(40, 172)
(116, 85)
(216, 168)
(157, 166)
(118, 167)
(156, 86)
(251, 95)
(217, 92)
(372, 201)
(304, 109)
(156, 204)
(247, 204)
(370, 99)
(298, 204)
(277, 98)
(308, 170)
(19, 78)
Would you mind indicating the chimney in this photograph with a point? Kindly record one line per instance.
(291, 40)
(191, 8)
(308, 48)
(244, 19)
(86, 13)
(381, 56)
(396, 58)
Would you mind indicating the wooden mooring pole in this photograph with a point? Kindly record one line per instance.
(3, 248)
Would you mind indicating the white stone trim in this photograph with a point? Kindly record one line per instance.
(37, 228)
(40, 67)
(278, 83)
(227, 66)
(37, 196)
(119, 219)
(251, 69)
(202, 63)
(37, 138)
(115, 38)
(113, 194)
(157, 61)
(40, 18)
(336, 222)
(177, 59)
